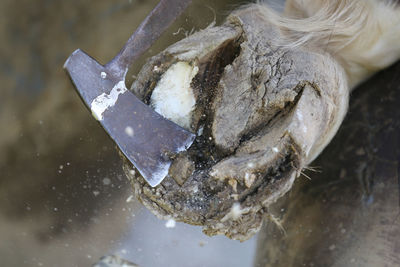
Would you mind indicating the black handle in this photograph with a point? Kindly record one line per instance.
(159, 19)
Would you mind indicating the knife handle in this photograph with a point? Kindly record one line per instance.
(159, 19)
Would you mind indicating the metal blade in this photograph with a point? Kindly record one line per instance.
(146, 138)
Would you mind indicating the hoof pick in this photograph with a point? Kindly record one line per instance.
(146, 138)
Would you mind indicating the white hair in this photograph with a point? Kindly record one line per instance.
(363, 35)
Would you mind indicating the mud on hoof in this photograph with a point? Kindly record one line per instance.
(261, 113)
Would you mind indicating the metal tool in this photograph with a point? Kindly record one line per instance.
(146, 138)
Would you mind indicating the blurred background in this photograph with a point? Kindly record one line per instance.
(64, 200)
(63, 196)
